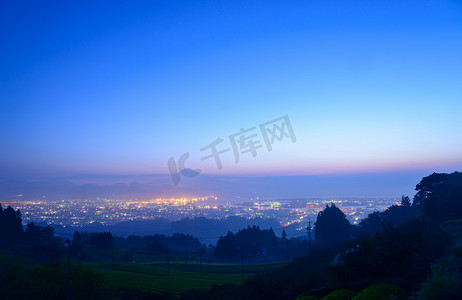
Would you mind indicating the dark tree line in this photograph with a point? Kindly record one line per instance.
(248, 242)
(10, 224)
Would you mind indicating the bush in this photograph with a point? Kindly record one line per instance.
(443, 283)
(342, 294)
(381, 291)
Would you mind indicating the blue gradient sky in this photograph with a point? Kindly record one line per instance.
(112, 88)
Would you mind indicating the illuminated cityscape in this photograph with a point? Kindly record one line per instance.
(78, 212)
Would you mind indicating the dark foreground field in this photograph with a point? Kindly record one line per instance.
(155, 277)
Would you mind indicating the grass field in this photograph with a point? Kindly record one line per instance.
(217, 268)
(154, 276)
(5, 257)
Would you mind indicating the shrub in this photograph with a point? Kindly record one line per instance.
(443, 283)
(380, 291)
(342, 294)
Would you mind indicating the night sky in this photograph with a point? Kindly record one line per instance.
(117, 88)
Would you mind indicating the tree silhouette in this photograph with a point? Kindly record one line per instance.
(391, 253)
(227, 246)
(441, 196)
(405, 201)
(77, 238)
(101, 240)
(332, 226)
(182, 242)
(370, 225)
(427, 186)
(10, 223)
(249, 241)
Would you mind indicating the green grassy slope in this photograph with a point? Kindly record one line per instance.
(154, 276)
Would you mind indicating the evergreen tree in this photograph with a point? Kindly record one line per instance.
(10, 224)
(332, 226)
